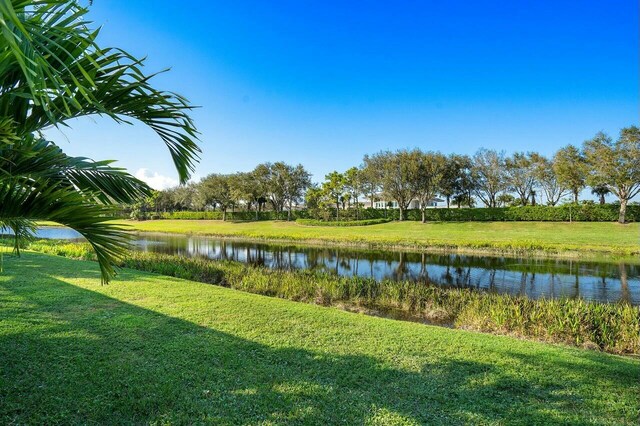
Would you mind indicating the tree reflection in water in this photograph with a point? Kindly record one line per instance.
(534, 277)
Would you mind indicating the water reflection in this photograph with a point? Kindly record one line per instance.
(602, 281)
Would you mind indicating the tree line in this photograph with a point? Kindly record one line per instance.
(489, 177)
(279, 185)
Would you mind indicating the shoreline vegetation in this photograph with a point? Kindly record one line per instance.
(613, 327)
(578, 239)
(154, 349)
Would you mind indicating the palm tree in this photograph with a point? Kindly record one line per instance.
(601, 191)
(52, 70)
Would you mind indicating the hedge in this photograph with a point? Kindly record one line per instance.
(364, 222)
(587, 212)
(241, 215)
(564, 213)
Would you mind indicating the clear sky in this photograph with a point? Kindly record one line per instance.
(322, 83)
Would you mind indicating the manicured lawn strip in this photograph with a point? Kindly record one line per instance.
(149, 348)
(576, 238)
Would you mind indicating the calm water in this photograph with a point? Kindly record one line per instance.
(602, 281)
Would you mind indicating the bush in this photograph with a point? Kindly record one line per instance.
(564, 213)
(586, 212)
(137, 214)
(364, 222)
(239, 215)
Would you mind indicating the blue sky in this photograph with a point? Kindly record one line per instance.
(323, 83)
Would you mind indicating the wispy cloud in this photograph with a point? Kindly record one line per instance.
(155, 179)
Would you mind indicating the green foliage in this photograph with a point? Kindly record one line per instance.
(217, 190)
(398, 174)
(615, 165)
(236, 216)
(585, 212)
(456, 182)
(53, 71)
(571, 169)
(333, 189)
(39, 181)
(362, 222)
(430, 171)
(488, 174)
(281, 185)
(520, 169)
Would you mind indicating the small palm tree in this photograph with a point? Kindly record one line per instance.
(601, 191)
(52, 70)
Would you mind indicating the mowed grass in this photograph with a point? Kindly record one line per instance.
(153, 349)
(551, 237)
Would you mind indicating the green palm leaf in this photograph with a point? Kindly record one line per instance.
(52, 70)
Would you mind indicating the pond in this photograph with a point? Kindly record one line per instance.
(535, 277)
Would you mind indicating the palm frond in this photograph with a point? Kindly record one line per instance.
(39, 182)
(42, 199)
(52, 70)
(22, 229)
(44, 159)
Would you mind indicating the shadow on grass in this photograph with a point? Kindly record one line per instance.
(71, 355)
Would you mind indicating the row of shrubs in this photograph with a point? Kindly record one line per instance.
(363, 222)
(237, 215)
(564, 213)
(587, 212)
(613, 328)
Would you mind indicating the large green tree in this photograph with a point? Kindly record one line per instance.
(488, 173)
(354, 185)
(52, 70)
(370, 178)
(398, 175)
(217, 190)
(616, 165)
(548, 180)
(297, 180)
(333, 188)
(520, 175)
(570, 169)
(431, 168)
(455, 177)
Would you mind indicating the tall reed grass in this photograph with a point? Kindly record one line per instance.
(611, 327)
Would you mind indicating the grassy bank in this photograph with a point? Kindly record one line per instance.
(610, 327)
(577, 239)
(149, 348)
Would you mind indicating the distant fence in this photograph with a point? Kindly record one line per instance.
(578, 213)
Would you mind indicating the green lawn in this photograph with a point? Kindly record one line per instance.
(583, 237)
(153, 349)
